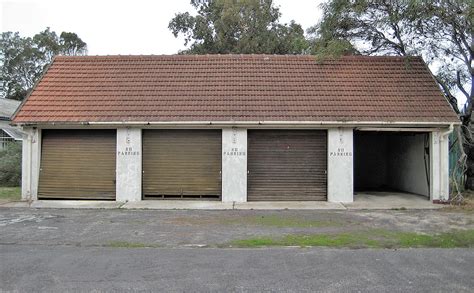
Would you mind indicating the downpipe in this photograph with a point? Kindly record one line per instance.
(443, 164)
(447, 132)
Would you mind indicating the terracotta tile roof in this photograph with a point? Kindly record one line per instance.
(235, 88)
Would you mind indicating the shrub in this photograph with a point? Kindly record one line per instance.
(10, 165)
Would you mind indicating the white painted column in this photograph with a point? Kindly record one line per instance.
(129, 164)
(439, 166)
(340, 165)
(30, 165)
(444, 167)
(26, 165)
(234, 165)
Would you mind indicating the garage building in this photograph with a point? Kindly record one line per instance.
(235, 128)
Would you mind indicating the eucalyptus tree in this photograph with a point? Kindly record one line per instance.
(442, 31)
(237, 26)
(24, 59)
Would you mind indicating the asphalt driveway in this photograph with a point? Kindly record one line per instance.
(61, 250)
(206, 228)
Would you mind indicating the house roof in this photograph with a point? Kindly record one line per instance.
(14, 132)
(7, 108)
(192, 88)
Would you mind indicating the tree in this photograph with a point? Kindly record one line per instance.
(439, 30)
(442, 31)
(24, 59)
(237, 26)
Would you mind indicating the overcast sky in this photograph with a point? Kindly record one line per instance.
(122, 27)
(111, 27)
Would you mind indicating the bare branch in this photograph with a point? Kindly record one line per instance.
(459, 84)
(458, 42)
(450, 97)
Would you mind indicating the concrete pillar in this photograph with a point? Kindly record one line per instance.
(30, 165)
(340, 165)
(439, 167)
(234, 165)
(129, 164)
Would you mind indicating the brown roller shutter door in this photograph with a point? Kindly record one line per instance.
(287, 165)
(182, 164)
(77, 164)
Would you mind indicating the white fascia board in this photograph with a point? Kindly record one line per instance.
(248, 124)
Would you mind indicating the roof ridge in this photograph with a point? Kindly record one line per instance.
(207, 56)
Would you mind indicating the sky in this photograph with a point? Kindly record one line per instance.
(122, 26)
(126, 27)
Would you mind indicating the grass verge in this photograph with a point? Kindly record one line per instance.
(10, 193)
(367, 239)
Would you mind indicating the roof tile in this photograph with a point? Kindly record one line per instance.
(235, 88)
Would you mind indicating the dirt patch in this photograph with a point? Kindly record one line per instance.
(432, 221)
(466, 206)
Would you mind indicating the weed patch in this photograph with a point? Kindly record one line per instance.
(367, 239)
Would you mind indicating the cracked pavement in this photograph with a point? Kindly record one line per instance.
(62, 250)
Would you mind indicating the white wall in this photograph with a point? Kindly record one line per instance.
(340, 165)
(439, 166)
(129, 164)
(390, 161)
(234, 165)
(30, 165)
(406, 164)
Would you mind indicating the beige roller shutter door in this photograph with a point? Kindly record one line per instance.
(287, 165)
(182, 164)
(77, 164)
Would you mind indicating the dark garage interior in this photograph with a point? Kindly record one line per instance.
(391, 162)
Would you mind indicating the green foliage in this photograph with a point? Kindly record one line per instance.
(24, 59)
(10, 165)
(441, 31)
(333, 49)
(238, 26)
(10, 193)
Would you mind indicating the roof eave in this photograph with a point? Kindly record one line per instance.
(245, 123)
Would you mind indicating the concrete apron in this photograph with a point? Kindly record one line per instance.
(362, 202)
(390, 200)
